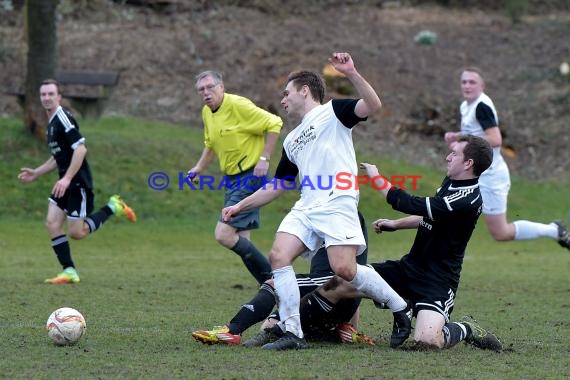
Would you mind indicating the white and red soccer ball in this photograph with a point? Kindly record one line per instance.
(66, 326)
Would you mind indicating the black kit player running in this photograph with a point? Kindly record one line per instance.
(72, 196)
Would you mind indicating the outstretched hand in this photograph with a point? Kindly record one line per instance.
(382, 225)
(27, 175)
(371, 169)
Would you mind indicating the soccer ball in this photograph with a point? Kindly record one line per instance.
(65, 326)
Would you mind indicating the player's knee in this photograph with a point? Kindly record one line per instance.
(225, 243)
(346, 272)
(78, 231)
(226, 235)
(225, 240)
(49, 226)
(276, 260)
(77, 234)
(53, 228)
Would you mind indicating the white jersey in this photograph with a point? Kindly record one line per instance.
(321, 147)
(469, 123)
(495, 181)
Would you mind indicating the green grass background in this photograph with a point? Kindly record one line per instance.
(145, 287)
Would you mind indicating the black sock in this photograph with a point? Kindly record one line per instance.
(96, 220)
(255, 261)
(61, 248)
(454, 333)
(254, 311)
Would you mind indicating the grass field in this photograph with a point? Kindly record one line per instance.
(146, 287)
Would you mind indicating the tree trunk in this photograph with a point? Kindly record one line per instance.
(41, 32)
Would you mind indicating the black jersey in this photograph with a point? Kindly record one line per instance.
(449, 218)
(63, 137)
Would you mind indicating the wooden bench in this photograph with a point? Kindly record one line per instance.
(87, 91)
(168, 6)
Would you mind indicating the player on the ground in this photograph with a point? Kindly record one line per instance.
(428, 276)
(338, 322)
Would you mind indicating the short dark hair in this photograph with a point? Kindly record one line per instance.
(478, 150)
(473, 69)
(54, 82)
(312, 80)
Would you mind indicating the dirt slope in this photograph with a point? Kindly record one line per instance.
(158, 54)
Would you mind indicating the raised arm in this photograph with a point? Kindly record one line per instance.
(369, 101)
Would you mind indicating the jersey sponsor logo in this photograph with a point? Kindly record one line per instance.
(306, 133)
(54, 147)
(300, 142)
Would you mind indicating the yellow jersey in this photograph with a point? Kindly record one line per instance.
(236, 132)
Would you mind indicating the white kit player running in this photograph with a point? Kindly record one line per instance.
(319, 149)
(479, 118)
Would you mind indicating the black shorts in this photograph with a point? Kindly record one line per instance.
(241, 186)
(77, 202)
(423, 294)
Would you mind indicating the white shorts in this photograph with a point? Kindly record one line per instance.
(495, 184)
(333, 223)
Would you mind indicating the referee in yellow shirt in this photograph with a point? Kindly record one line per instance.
(242, 136)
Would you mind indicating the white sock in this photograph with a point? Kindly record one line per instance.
(369, 282)
(289, 299)
(525, 230)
